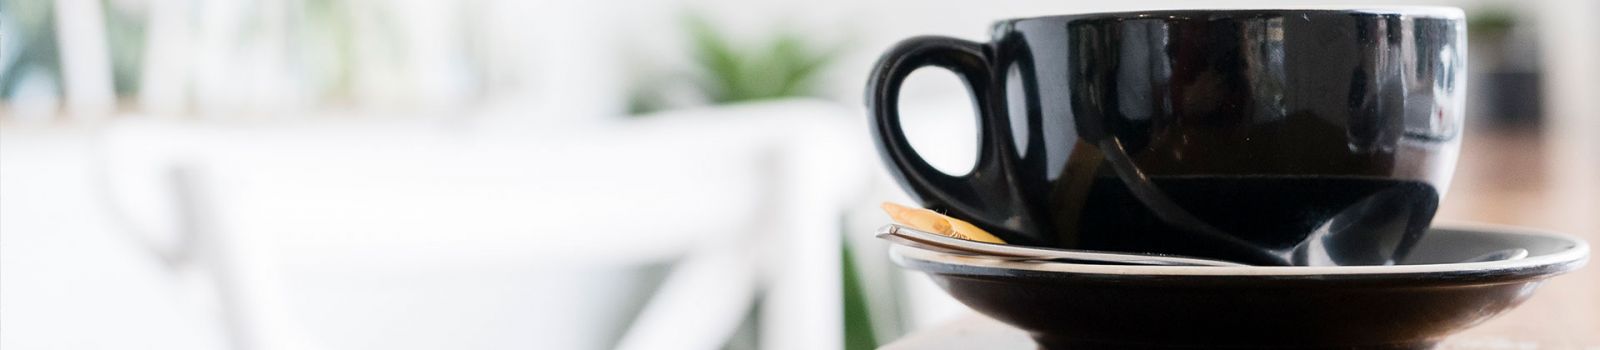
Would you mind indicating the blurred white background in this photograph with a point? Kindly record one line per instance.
(501, 174)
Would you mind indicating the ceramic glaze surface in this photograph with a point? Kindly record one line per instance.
(1271, 137)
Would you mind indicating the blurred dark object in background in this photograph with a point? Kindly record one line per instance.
(1504, 69)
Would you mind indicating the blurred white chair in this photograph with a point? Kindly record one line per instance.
(85, 58)
(396, 235)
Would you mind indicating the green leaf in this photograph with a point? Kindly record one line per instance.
(858, 333)
(716, 55)
(801, 64)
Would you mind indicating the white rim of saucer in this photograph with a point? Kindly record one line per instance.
(1579, 250)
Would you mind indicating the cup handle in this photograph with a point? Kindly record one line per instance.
(967, 196)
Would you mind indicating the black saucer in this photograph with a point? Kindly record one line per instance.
(1412, 305)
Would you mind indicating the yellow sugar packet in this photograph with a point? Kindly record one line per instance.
(931, 221)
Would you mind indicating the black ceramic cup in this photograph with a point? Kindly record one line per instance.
(1271, 137)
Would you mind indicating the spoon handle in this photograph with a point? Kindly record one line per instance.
(916, 238)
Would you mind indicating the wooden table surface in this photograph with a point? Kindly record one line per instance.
(1515, 177)
(1504, 177)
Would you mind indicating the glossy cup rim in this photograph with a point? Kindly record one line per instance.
(1445, 12)
(1572, 257)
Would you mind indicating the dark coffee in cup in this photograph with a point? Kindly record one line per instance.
(1273, 137)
